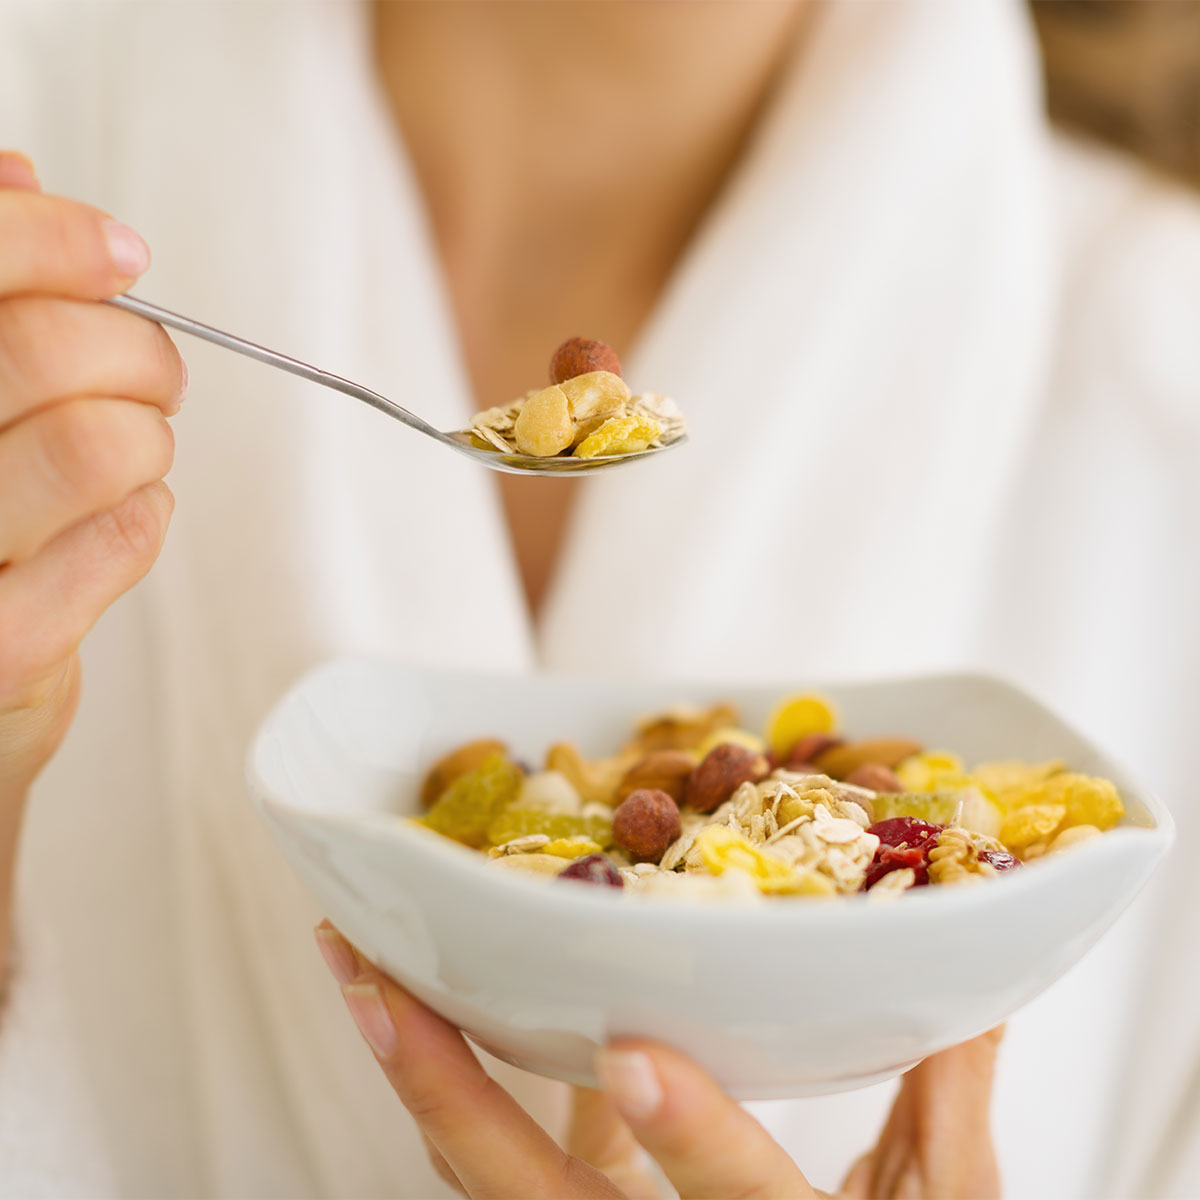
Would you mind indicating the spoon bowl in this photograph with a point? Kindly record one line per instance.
(513, 464)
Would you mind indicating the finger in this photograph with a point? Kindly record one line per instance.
(487, 1140)
(346, 964)
(50, 602)
(53, 349)
(442, 1167)
(940, 1126)
(597, 1134)
(58, 247)
(705, 1142)
(68, 461)
(17, 172)
(857, 1184)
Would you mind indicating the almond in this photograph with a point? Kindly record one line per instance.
(458, 762)
(875, 776)
(724, 769)
(887, 752)
(663, 771)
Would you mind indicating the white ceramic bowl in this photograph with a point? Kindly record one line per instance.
(790, 998)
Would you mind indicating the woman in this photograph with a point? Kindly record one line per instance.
(915, 336)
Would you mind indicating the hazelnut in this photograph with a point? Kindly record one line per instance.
(578, 356)
(875, 776)
(645, 823)
(663, 771)
(724, 769)
(888, 752)
(458, 762)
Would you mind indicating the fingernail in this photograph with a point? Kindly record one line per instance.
(129, 253)
(630, 1079)
(372, 1017)
(185, 381)
(16, 171)
(336, 952)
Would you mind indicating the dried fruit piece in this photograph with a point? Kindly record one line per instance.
(974, 810)
(512, 823)
(842, 760)
(574, 847)
(875, 776)
(664, 770)
(999, 860)
(904, 843)
(579, 356)
(468, 806)
(645, 823)
(721, 772)
(594, 869)
(458, 762)
(797, 717)
(544, 427)
(620, 435)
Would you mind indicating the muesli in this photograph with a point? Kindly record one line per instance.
(695, 804)
(588, 411)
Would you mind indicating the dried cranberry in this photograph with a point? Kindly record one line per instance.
(906, 831)
(903, 842)
(593, 869)
(1001, 860)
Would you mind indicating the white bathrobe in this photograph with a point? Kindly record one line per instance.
(941, 370)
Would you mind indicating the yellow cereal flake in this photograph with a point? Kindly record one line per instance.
(619, 435)
(932, 771)
(570, 847)
(801, 882)
(1088, 800)
(1031, 824)
(1003, 778)
(722, 849)
(737, 737)
(796, 717)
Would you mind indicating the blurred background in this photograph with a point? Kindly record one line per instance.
(1127, 72)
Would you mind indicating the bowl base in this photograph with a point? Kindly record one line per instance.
(746, 1093)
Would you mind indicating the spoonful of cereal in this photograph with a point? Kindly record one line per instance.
(586, 420)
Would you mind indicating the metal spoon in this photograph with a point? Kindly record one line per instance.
(515, 464)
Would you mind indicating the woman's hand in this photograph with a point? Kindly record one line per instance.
(85, 391)
(936, 1142)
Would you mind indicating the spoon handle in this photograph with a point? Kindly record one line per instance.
(272, 358)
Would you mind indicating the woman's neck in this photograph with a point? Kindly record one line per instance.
(567, 152)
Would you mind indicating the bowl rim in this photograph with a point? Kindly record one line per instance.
(464, 867)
